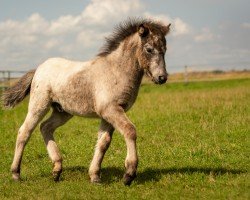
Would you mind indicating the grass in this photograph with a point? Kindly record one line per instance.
(210, 75)
(193, 143)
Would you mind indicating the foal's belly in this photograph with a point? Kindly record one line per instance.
(76, 109)
(76, 102)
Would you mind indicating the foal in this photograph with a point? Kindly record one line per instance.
(105, 87)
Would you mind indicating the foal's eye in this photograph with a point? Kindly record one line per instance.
(149, 50)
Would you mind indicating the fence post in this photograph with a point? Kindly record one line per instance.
(2, 80)
(8, 72)
(186, 75)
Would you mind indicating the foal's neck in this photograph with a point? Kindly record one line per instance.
(125, 60)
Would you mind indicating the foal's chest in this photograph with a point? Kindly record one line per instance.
(127, 96)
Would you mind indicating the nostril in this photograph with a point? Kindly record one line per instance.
(162, 79)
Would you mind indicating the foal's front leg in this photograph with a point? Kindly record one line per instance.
(117, 117)
(104, 138)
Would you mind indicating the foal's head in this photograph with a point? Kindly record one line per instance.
(151, 47)
(152, 50)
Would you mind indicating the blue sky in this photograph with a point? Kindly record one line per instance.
(206, 34)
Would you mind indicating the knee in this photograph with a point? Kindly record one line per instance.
(105, 142)
(107, 139)
(23, 136)
(130, 131)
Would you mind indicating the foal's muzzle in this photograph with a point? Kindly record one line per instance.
(160, 79)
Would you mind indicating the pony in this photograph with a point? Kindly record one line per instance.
(104, 87)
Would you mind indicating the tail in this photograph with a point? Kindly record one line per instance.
(15, 94)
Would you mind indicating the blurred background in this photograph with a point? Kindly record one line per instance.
(207, 35)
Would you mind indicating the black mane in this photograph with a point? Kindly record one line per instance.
(125, 29)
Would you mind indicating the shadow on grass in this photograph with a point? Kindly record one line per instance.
(114, 174)
(111, 174)
(154, 175)
(75, 169)
(108, 175)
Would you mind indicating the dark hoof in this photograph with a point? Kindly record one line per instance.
(128, 179)
(56, 175)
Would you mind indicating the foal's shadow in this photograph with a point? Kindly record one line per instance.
(114, 174)
(108, 175)
(154, 175)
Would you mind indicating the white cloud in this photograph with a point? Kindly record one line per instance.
(51, 43)
(246, 25)
(105, 11)
(88, 38)
(35, 24)
(204, 36)
(63, 25)
(22, 34)
(178, 26)
(78, 37)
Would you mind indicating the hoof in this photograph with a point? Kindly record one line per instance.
(16, 176)
(128, 179)
(95, 179)
(56, 175)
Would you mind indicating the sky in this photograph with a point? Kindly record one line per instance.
(205, 34)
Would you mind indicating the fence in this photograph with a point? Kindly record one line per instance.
(185, 75)
(7, 77)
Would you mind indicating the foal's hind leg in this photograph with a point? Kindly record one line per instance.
(104, 138)
(47, 129)
(37, 109)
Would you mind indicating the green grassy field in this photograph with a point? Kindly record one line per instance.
(193, 143)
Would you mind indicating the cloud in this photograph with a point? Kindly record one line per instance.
(24, 44)
(63, 25)
(181, 28)
(246, 25)
(89, 38)
(32, 25)
(178, 26)
(51, 43)
(204, 36)
(104, 11)
(28, 42)
(22, 33)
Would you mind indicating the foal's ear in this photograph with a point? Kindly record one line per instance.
(143, 30)
(166, 29)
